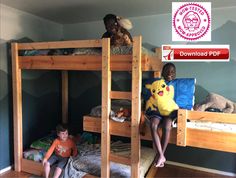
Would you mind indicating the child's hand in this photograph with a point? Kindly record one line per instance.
(44, 161)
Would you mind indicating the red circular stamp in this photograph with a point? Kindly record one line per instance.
(191, 21)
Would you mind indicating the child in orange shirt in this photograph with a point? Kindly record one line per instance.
(62, 147)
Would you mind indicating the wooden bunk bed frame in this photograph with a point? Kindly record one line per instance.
(136, 62)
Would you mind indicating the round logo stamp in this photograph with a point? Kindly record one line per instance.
(191, 21)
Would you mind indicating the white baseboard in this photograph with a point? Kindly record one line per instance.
(214, 171)
(5, 169)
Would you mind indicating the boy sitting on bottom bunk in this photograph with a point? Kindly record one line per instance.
(62, 147)
(162, 115)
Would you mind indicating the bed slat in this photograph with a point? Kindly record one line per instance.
(120, 159)
(182, 127)
(212, 117)
(61, 44)
(120, 95)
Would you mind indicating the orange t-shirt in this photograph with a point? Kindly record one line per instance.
(62, 148)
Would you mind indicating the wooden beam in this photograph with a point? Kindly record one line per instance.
(64, 76)
(123, 129)
(60, 44)
(212, 116)
(82, 62)
(32, 167)
(136, 106)
(17, 108)
(106, 108)
(120, 159)
(181, 127)
(120, 95)
(157, 74)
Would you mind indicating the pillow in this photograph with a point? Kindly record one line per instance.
(184, 91)
(33, 154)
(43, 143)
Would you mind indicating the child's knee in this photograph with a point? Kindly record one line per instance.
(154, 126)
(47, 164)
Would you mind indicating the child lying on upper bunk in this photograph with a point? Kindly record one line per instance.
(216, 103)
(61, 149)
(161, 109)
(117, 30)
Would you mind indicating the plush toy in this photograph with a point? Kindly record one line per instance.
(117, 30)
(216, 102)
(161, 98)
(123, 112)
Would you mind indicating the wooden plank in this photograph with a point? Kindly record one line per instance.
(120, 159)
(32, 167)
(36, 168)
(157, 74)
(152, 172)
(93, 124)
(136, 106)
(212, 117)
(159, 52)
(182, 128)
(120, 95)
(221, 141)
(17, 108)
(60, 44)
(106, 108)
(80, 62)
(64, 76)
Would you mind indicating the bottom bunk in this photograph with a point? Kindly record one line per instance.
(187, 133)
(88, 162)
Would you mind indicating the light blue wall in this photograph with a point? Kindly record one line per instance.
(211, 77)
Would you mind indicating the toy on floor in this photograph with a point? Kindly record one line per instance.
(117, 29)
(216, 103)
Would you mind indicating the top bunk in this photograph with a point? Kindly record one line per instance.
(89, 59)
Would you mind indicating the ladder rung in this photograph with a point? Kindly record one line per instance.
(120, 159)
(120, 95)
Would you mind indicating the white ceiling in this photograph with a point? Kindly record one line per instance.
(75, 11)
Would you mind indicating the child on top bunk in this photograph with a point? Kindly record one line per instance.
(61, 149)
(156, 119)
(117, 30)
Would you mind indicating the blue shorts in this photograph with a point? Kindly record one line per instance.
(60, 161)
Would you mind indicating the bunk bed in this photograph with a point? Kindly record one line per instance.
(137, 62)
(105, 62)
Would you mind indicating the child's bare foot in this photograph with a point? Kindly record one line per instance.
(161, 161)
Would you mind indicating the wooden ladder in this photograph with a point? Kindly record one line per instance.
(134, 96)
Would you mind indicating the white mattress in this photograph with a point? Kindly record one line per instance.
(212, 126)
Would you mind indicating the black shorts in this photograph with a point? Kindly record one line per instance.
(60, 161)
(157, 115)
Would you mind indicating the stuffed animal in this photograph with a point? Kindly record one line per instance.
(216, 102)
(117, 30)
(161, 98)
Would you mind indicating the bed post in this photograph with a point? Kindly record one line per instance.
(136, 106)
(17, 107)
(181, 127)
(106, 107)
(64, 75)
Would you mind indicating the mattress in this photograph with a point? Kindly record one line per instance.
(89, 161)
(122, 50)
(212, 126)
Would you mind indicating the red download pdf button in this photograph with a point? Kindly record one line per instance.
(195, 52)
